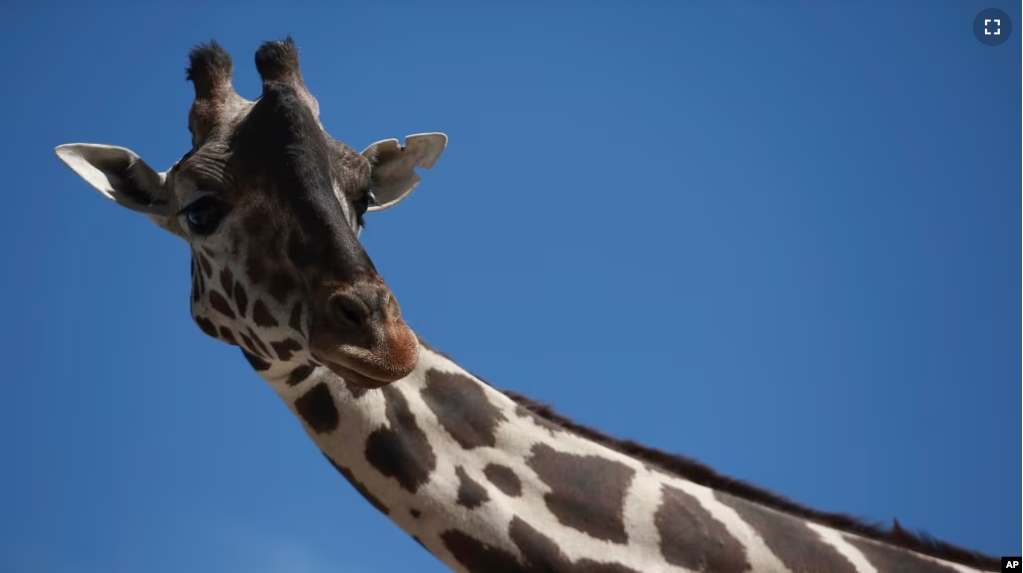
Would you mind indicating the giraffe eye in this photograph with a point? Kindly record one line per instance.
(204, 215)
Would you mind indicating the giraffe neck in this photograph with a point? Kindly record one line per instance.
(487, 485)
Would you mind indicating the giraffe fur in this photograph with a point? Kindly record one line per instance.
(486, 480)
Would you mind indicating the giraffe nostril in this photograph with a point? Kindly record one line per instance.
(346, 310)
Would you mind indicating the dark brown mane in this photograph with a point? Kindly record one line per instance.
(697, 472)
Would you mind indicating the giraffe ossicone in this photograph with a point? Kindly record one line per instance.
(487, 481)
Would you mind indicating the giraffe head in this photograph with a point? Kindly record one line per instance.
(272, 207)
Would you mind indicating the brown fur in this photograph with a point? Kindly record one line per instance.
(697, 472)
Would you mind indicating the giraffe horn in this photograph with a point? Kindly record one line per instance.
(210, 70)
(277, 61)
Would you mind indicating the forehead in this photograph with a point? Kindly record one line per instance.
(274, 142)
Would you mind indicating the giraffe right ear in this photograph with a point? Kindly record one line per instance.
(394, 166)
(120, 175)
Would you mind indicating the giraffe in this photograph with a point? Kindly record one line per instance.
(485, 480)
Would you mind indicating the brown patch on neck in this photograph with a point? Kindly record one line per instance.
(587, 493)
(540, 554)
(504, 479)
(317, 409)
(697, 472)
(470, 493)
(462, 409)
(692, 538)
(401, 450)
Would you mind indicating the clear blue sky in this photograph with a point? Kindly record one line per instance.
(779, 237)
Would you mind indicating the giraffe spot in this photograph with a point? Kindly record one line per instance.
(587, 492)
(286, 348)
(539, 554)
(227, 336)
(261, 315)
(295, 321)
(258, 342)
(400, 450)
(358, 485)
(470, 493)
(298, 375)
(692, 538)
(195, 285)
(800, 548)
(543, 554)
(256, 362)
(207, 268)
(241, 300)
(888, 559)
(477, 556)
(220, 304)
(281, 286)
(316, 407)
(248, 343)
(202, 283)
(206, 325)
(462, 408)
(415, 513)
(226, 281)
(504, 479)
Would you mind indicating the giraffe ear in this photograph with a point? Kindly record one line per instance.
(120, 175)
(394, 173)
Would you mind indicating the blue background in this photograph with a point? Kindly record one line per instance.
(775, 236)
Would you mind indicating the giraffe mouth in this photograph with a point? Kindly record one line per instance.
(356, 378)
(373, 367)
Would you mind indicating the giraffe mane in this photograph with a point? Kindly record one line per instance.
(697, 472)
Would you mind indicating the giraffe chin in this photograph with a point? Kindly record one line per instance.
(368, 373)
(356, 379)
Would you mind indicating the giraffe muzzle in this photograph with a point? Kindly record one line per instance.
(358, 333)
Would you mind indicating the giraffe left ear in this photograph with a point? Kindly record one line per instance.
(120, 175)
(394, 174)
